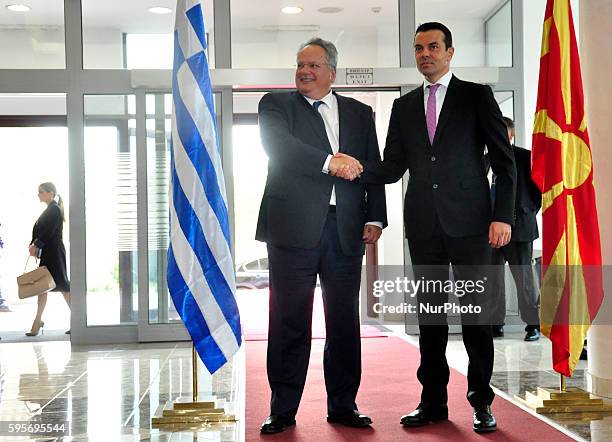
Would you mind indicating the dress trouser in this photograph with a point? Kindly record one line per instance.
(293, 277)
(518, 255)
(470, 258)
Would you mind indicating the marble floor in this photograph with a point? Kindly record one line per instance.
(110, 393)
(523, 366)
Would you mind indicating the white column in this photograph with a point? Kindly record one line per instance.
(596, 58)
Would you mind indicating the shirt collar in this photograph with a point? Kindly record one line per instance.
(328, 99)
(444, 81)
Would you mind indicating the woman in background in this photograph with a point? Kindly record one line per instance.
(47, 244)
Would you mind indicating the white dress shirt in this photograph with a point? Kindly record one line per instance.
(440, 93)
(329, 113)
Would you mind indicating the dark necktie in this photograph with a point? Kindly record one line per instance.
(316, 105)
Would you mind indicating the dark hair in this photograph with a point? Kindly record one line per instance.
(509, 122)
(331, 53)
(435, 26)
(50, 187)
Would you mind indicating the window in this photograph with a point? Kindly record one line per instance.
(126, 35)
(365, 35)
(33, 39)
(467, 21)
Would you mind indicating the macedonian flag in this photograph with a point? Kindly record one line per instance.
(562, 167)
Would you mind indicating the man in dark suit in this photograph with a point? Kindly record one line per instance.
(316, 224)
(518, 252)
(438, 133)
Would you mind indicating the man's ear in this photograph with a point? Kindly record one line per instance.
(451, 52)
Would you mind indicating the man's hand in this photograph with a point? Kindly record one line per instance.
(499, 234)
(371, 234)
(32, 250)
(345, 166)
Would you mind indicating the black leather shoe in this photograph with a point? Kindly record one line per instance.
(276, 424)
(350, 419)
(532, 335)
(425, 414)
(498, 331)
(484, 421)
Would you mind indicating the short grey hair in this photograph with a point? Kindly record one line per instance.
(331, 53)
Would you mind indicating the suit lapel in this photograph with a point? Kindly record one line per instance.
(315, 119)
(420, 107)
(343, 121)
(450, 101)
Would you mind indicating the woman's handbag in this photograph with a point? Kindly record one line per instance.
(35, 283)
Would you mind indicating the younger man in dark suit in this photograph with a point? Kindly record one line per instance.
(518, 252)
(438, 133)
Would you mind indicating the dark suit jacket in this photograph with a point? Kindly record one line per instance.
(528, 199)
(296, 198)
(447, 179)
(47, 235)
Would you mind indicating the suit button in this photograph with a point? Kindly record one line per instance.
(433, 158)
(435, 186)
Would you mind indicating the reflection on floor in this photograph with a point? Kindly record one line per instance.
(523, 366)
(110, 393)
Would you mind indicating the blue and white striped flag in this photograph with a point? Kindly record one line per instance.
(201, 277)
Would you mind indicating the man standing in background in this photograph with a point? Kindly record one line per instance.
(3, 304)
(518, 252)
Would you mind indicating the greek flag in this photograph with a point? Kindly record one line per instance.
(201, 276)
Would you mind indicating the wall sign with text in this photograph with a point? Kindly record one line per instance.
(360, 76)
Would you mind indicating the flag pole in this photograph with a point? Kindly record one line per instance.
(562, 385)
(184, 414)
(194, 369)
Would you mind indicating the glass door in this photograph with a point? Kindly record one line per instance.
(159, 319)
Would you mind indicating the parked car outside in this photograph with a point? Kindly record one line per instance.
(253, 274)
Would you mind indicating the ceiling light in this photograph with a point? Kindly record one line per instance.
(160, 10)
(330, 10)
(292, 10)
(18, 8)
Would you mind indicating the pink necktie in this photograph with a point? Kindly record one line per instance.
(430, 114)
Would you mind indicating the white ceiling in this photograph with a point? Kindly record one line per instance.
(132, 16)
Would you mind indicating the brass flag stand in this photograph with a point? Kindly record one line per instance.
(563, 400)
(188, 413)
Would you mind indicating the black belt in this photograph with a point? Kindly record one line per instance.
(332, 209)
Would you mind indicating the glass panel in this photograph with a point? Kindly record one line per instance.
(33, 39)
(499, 37)
(126, 35)
(33, 150)
(466, 20)
(161, 309)
(265, 37)
(505, 99)
(158, 123)
(110, 210)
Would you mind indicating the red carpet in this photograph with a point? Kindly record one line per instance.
(389, 389)
(253, 306)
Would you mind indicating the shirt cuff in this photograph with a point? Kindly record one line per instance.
(375, 223)
(326, 165)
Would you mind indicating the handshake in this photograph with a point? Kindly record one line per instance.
(345, 166)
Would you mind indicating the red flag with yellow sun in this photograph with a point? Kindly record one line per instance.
(562, 167)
